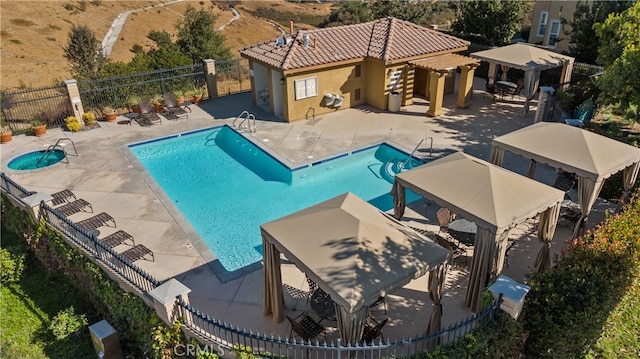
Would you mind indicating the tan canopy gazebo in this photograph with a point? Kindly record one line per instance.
(494, 198)
(592, 157)
(353, 251)
(529, 58)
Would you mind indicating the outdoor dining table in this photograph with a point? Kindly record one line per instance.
(323, 305)
(463, 230)
(505, 88)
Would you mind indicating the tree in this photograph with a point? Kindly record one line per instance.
(417, 12)
(84, 52)
(619, 53)
(349, 13)
(198, 38)
(583, 40)
(496, 21)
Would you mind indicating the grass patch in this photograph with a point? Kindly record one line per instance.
(22, 22)
(15, 41)
(51, 39)
(28, 307)
(55, 27)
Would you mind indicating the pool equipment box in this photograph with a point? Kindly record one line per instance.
(105, 340)
(513, 294)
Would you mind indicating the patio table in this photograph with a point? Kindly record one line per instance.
(505, 88)
(463, 230)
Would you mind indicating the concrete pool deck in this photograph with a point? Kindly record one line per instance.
(108, 176)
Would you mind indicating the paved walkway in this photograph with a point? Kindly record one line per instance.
(107, 175)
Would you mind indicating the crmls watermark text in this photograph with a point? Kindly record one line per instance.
(193, 350)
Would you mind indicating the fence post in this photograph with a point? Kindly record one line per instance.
(210, 77)
(74, 97)
(543, 103)
(164, 298)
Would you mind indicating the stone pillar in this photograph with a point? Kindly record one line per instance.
(436, 92)
(543, 103)
(165, 298)
(74, 97)
(210, 77)
(34, 202)
(465, 87)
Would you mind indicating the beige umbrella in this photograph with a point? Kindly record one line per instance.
(352, 250)
(592, 157)
(492, 197)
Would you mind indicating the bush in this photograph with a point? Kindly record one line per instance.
(88, 118)
(72, 123)
(11, 266)
(66, 323)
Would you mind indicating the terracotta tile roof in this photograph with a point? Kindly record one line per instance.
(387, 39)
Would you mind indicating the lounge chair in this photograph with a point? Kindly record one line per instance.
(117, 238)
(63, 196)
(172, 108)
(79, 205)
(137, 252)
(148, 115)
(99, 220)
(583, 114)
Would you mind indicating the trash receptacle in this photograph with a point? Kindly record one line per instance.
(105, 340)
(395, 101)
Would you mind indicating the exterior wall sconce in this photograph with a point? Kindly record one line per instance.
(282, 81)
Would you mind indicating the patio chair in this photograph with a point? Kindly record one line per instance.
(313, 286)
(148, 115)
(79, 205)
(172, 108)
(583, 114)
(306, 328)
(63, 196)
(381, 301)
(137, 252)
(99, 220)
(115, 239)
(564, 182)
(373, 331)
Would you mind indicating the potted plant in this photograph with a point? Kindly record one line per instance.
(39, 128)
(109, 114)
(132, 103)
(196, 93)
(6, 135)
(179, 94)
(158, 102)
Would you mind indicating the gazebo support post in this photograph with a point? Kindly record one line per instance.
(436, 92)
(465, 89)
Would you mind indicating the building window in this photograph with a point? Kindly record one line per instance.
(306, 88)
(554, 32)
(358, 70)
(356, 95)
(542, 27)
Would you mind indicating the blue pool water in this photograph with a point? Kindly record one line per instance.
(34, 160)
(226, 187)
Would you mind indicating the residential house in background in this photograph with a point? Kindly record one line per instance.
(547, 28)
(383, 63)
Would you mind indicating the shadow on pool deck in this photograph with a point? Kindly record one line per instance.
(108, 176)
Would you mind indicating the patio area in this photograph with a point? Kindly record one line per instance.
(109, 177)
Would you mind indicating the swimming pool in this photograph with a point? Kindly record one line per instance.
(226, 186)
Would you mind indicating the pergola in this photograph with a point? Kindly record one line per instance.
(529, 58)
(355, 253)
(494, 198)
(592, 157)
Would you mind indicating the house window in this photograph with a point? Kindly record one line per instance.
(542, 27)
(306, 88)
(356, 95)
(358, 70)
(554, 32)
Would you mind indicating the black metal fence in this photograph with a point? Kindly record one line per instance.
(232, 76)
(223, 337)
(49, 105)
(13, 188)
(122, 92)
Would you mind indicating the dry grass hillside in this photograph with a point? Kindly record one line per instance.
(33, 33)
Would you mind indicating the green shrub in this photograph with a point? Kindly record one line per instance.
(73, 124)
(11, 266)
(88, 118)
(67, 322)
